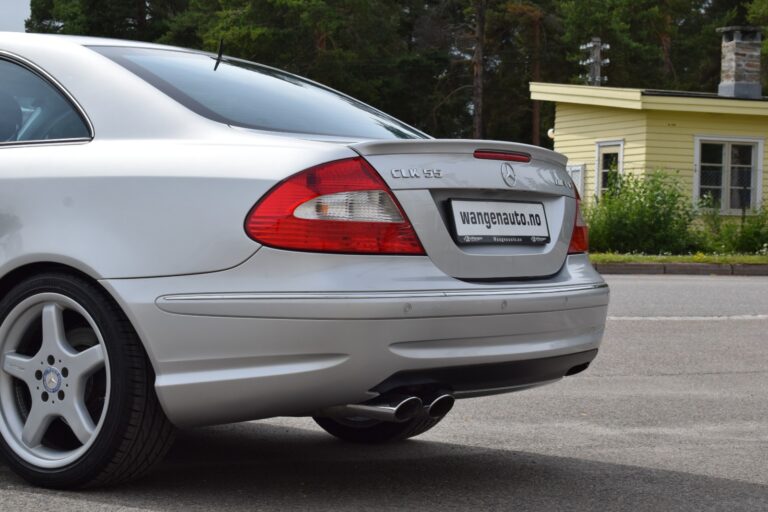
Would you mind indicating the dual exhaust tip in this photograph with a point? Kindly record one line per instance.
(397, 408)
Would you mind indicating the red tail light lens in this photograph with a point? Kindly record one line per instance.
(341, 207)
(580, 236)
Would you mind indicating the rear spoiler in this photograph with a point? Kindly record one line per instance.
(455, 146)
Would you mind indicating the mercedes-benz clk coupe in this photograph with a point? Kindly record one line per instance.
(191, 239)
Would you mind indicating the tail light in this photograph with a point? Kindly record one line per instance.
(580, 236)
(341, 207)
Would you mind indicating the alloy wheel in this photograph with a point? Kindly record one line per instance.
(54, 380)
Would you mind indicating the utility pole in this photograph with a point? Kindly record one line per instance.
(595, 62)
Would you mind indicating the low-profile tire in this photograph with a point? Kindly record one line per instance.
(77, 400)
(361, 430)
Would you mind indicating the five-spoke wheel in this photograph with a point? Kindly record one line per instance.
(77, 403)
(55, 378)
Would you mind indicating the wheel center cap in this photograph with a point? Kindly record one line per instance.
(52, 379)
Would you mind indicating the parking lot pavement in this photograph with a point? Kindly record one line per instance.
(673, 415)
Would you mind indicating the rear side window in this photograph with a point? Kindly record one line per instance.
(32, 109)
(248, 95)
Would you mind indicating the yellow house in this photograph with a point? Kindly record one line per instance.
(714, 142)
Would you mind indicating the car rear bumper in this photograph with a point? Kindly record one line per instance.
(248, 352)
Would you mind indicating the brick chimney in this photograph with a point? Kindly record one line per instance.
(740, 62)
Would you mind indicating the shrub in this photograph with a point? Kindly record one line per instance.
(747, 235)
(753, 234)
(643, 214)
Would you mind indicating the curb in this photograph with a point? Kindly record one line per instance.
(699, 269)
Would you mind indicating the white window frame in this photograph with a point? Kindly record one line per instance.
(757, 179)
(577, 172)
(599, 145)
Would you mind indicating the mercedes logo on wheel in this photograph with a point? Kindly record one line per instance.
(52, 380)
(508, 173)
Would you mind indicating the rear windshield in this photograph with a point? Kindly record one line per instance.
(248, 95)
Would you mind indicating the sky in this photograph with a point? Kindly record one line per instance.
(12, 14)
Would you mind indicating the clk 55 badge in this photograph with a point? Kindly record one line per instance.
(416, 173)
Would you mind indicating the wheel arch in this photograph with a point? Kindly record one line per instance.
(18, 274)
(21, 271)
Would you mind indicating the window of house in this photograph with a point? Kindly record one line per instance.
(576, 172)
(609, 162)
(727, 174)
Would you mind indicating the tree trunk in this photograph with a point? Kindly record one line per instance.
(536, 111)
(479, 69)
(665, 40)
(141, 20)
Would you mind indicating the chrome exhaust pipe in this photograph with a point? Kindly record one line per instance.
(439, 405)
(392, 408)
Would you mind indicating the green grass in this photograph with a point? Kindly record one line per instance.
(732, 259)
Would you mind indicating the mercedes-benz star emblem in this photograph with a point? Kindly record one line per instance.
(508, 173)
(52, 380)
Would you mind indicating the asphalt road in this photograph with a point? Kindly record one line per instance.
(673, 415)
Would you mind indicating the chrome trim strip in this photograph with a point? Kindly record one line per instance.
(34, 68)
(381, 295)
(47, 142)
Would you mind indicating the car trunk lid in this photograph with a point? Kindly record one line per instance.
(475, 209)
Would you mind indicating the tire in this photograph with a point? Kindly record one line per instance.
(376, 432)
(77, 401)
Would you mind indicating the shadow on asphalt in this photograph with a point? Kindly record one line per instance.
(264, 467)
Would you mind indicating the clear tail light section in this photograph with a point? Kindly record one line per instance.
(360, 206)
(339, 207)
(580, 236)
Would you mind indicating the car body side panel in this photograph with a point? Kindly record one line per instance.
(164, 208)
(172, 188)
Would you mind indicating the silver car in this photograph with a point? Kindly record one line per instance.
(191, 239)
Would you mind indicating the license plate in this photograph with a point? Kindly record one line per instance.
(500, 222)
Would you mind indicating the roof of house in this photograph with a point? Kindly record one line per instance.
(648, 99)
